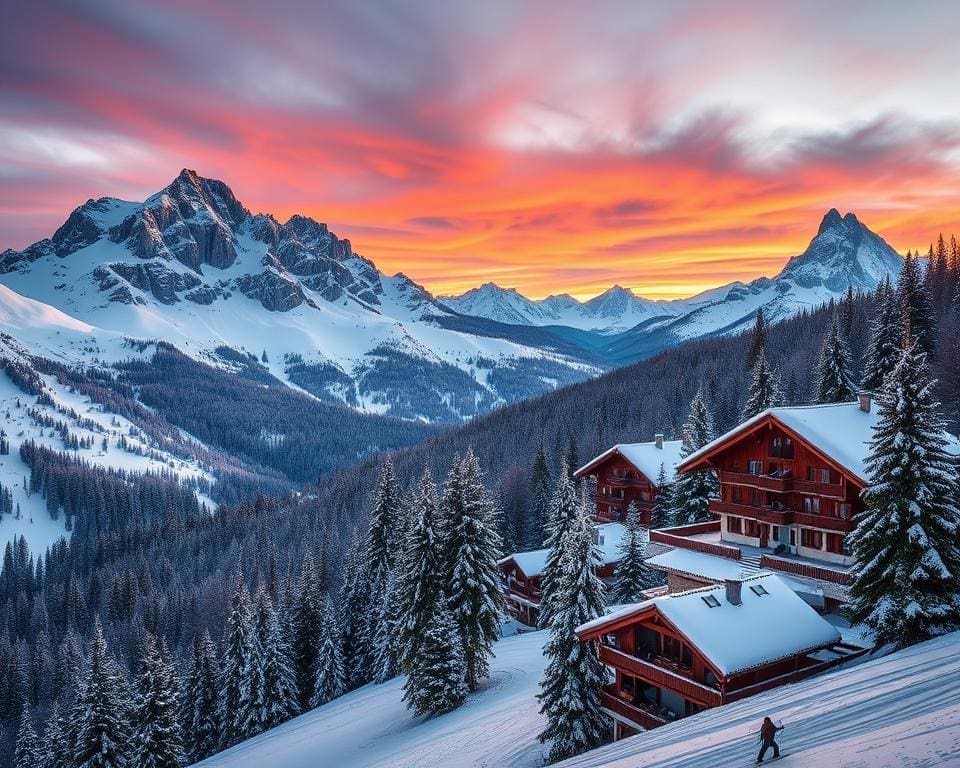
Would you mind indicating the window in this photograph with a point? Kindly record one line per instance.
(782, 447)
(755, 467)
(755, 498)
(734, 524)
(752, 529)
(758, 590)
(824, 475)
(711, 601)
(811, 505)
(686, 658)
(671, 648)
(811, 538)
(845, 510)
(835, 543)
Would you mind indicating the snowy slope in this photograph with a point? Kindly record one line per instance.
(191, 266)
(900, 710)
(843, 254)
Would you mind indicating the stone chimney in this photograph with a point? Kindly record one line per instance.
(658, 439)
(733, 591)
(866, 399)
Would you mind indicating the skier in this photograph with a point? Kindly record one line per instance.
(767, 731)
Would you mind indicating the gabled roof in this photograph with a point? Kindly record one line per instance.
(646, 457)
(733, 638)
(533, 562)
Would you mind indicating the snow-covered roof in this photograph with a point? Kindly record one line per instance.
(609, 535)
(762, 629)
(646, 457)
(841, 431)
(697, 564)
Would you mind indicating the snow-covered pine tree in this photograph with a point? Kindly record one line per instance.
(907, 559)
(202, 716)
(474, 593)
(538, 513)
(758, 340)
(915, 305)
(834, 384)
(279, 678)
(564, 507)
(354, 605)
(660, 512)
(570, 690)
(692, 491)
(764, 389)
(26, 751)
(330, 679)
(100, 712)
(157, 739)
(632, 574)
(436, 678)
(421, 586)
(55, 748)
(886, 338)
(386, 664)
(306, 619)
(235, 688)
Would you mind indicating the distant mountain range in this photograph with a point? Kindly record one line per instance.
(192, 267)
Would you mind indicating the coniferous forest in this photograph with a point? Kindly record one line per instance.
(159, 617)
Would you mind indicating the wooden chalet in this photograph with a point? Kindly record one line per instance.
(628, 472)
(676, 655)
(521, 572)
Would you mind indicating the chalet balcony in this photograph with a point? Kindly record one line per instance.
(658, 673)
(644, 715)
(762, 514)
(812, 488)
(839, 524)
(615, 481)
(766, 482)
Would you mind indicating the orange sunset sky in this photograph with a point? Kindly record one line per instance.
(551, 147)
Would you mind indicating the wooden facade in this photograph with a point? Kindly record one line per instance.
(522, 591)
(618, 483)
(779, 491)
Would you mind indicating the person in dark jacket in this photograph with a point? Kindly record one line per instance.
(767, 731)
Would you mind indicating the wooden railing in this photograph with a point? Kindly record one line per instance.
(823, 521)
(706, 547)
(763, 514)
(812, 488)
(634, 714)
(659, 676)
(791, 677)
(779, 484)
(796, 568)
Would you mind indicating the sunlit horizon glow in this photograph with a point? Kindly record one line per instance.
(552, 148)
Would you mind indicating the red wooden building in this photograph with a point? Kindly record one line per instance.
(628, 472)
(676, 655)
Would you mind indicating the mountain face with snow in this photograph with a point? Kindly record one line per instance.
(844, 254)
(193, 267)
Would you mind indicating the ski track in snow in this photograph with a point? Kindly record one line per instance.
(899, 711)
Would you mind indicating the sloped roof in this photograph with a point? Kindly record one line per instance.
(646, 457)
(733, 638)
(609, 535)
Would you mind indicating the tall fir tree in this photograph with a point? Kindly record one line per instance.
(306, 629)
(834, 384)
(101, 712)
(157, 737)
(758, 340)
(915, 305)
(538, 513)
(564, 508)
(26, 751)
(202, 716)
(436, 681)
(764, 389)
(574, 676)
(632, 574)
(906, 585)
(475, 594)
(331, 679)
(236, 691)
(385, 635)
(354, 605)
(690, 498)
(660, 511)
(573, 458)
(56, 748)
(886, 338)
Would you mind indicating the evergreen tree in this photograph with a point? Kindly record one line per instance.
(915, 306)
(330, 679)
(886, 338)
(202, 716)
(386, 647)
(834, 384)
(436, 678)
(692, 491)
(758, 340)
(475, 594)
(56, 751)
(383, 544)
(100, 713)
(235, 689)
(764, 389)
(574, 676)
(420, 590)
(537, 519)
(26, 753)
(564, 507)
(660, 512)
(306, 621)
(907, 557)
(280, 699)
(632, 574)
(573, 458)
(157, 739)
(355, 601)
